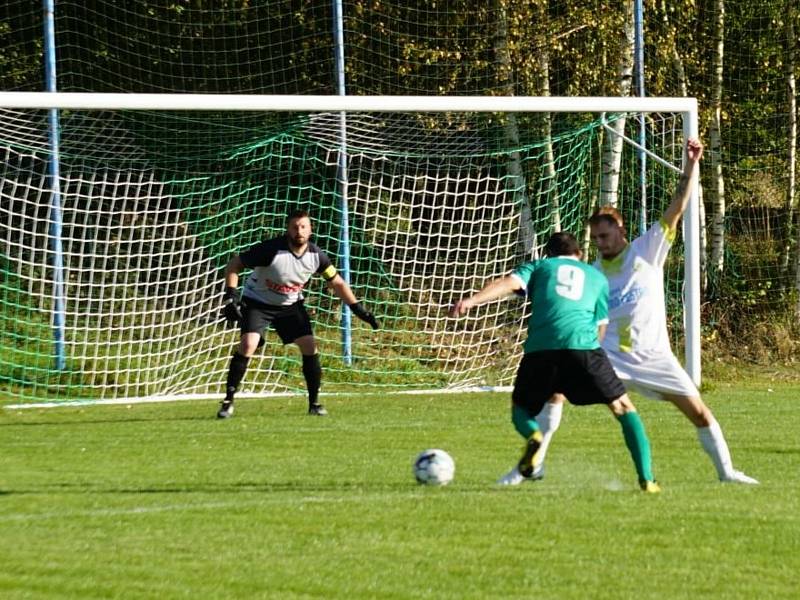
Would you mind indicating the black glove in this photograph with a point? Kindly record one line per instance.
(231, 311)
(364, 315)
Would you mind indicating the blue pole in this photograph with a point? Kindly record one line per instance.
(59, 303)
(344, 238)
(639, 27)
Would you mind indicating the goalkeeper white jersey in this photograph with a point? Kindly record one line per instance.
(636, 305)
(279, 275)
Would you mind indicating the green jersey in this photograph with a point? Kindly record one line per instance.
(569, 299)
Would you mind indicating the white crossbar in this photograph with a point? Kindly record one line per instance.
(252, 102)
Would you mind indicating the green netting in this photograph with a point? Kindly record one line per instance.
(508, 47)
(437, 206)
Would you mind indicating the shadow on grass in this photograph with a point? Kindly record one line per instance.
(106, 421)
(781, 450)
(222, 488)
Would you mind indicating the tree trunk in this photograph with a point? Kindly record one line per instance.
(792, 231)
(550, 183)
(527, 235)
(677, 61)
(612, 144)
(717, 189)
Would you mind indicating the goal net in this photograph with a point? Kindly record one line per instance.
(116, 225)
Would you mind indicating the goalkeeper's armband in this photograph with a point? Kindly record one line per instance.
(364, 315)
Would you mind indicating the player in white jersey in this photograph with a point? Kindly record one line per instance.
(636, 338)
(273, 295)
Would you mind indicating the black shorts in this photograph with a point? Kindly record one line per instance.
(289, 322)
(583, 376)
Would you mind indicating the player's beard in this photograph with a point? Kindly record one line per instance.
(298, 242)
(611, 254)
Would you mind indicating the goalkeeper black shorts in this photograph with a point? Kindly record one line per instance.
(289, 322)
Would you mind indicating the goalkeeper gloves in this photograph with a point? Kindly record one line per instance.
(230, 306)
(364, 315)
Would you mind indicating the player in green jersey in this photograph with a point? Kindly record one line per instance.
(569, 301)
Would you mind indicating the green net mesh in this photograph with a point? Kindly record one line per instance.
(154, 204)
(504, 47)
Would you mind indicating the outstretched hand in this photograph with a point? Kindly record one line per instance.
(460, 308)
(694, 149)
(370, 320)
(364, 315)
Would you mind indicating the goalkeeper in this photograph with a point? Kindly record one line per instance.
(562, 353)
(273, 295)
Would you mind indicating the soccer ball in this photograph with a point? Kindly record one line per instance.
(434, 467)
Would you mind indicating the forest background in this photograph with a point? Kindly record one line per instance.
(739, 58)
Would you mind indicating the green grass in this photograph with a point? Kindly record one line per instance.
(163, 501)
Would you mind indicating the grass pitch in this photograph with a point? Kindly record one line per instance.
(164, 501)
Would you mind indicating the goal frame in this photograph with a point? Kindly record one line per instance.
(686, 106)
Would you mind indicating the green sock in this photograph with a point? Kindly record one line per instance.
(524, 422)
(638, 444)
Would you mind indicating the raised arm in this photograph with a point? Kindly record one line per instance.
(342, 289)
(680, 199)
(497, 288)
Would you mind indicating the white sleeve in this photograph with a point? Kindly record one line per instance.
(654, 244)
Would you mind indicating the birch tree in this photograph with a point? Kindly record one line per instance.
(612, 153)
(717, 188)
(550, 183)
(506, 86)
(793, 232)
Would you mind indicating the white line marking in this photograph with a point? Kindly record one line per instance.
(267, 500)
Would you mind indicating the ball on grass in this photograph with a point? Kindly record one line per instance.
(434, 467)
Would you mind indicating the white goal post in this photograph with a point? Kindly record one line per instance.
(685, 107)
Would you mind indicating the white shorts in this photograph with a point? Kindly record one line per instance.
(653, 374)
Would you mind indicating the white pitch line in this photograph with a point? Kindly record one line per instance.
(143, 510)
(187, 397)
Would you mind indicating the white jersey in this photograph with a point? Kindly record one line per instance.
(279, 275)
(636, 306)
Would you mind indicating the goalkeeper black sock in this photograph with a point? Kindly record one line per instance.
(312, 371)
(236, 372)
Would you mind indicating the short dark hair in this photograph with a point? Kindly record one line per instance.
(562, 243)
(606, 214)
(296, 213)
